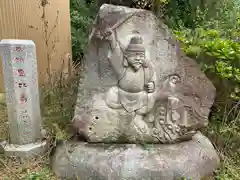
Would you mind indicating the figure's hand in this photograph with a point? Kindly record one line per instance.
(108, 34)
(150, 87)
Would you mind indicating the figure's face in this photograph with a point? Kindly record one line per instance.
(135, 59)
(174, 79)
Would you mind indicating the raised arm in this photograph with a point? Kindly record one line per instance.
(115, 54)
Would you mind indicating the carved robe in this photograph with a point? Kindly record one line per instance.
(131, 93)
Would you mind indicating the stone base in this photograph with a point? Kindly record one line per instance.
(194, 159)
(23, 151)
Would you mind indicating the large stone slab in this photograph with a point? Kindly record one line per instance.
(138, 85)
(193, 159)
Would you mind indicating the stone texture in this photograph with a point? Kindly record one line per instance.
(24, 151)
(128, 3)
(192, 159)
(22, 96)
(139, 86)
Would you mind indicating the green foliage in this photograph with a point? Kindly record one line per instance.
(218, 55)
(201, 13)
(214, 42)
(82, 17)
(42, 175)
(208, 29)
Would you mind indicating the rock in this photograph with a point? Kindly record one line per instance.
(128, 3)
(192, 159)
(139, 86)
(141, 90)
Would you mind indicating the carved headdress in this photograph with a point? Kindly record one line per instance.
(136, 43)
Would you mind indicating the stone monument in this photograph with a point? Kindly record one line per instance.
(139, 91)
(22, 98)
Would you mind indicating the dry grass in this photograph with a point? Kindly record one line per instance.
(225, 135)
(56, 116)
(14, 169)
(3, 122)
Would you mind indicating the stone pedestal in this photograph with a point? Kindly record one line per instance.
(22, 97)
(191, 160)
(27, 150)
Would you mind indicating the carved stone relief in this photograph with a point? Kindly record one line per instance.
(141, 89)
(138, 94)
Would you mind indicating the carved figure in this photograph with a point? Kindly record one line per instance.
(135, 74)
(136, 92)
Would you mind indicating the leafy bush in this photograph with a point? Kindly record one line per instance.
(217, 55)
(82, 17)
(214, 42)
